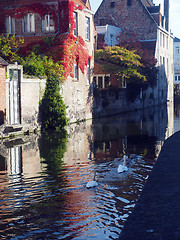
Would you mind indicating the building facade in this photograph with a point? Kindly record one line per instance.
(3, 65)
(176, 60)
(151, 28)
(70, 24)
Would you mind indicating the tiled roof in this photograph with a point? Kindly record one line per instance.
(36, 39)
(3, 62)
(147, 3)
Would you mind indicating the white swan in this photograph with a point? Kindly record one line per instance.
(91, 184)
(122, 167)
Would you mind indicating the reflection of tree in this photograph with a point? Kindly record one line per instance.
(52, 147)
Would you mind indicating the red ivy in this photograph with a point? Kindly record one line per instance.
(73, 49)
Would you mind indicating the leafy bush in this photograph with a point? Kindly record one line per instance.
(38, 66)
(52, 107)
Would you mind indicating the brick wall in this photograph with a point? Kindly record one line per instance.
(135, 18)
(2, 94)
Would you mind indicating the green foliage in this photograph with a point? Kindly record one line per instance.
(9, 48)
(35, 65)
(52, 107)
(120, 61)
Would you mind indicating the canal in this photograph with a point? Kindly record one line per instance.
(43, 177)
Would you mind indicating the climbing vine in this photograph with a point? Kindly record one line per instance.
(65, 47)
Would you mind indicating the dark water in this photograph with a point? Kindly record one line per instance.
(43, 178)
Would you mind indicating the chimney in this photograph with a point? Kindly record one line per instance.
(166, 14)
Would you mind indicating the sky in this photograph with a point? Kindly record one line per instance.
(174, 13)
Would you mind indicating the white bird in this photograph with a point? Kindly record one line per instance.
(91, 184)
(122, 167)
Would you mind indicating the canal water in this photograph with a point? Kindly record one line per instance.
(43, 178)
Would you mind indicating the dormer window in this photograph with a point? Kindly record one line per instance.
(10, 25)
(29, 23)
(112, 4)
(48, 23)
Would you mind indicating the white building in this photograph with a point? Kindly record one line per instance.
(109, 34)
(176, 60)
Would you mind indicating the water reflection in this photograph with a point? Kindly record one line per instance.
(43, 178)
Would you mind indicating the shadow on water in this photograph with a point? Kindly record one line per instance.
(43, 178)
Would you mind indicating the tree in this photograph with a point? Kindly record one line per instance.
(120, 61)
(52, 107)
(9, 47)
(129, 40)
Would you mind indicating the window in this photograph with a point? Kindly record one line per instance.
(102, 21)
(177, 50)
(88, 72)
(129, 2)
(101, 81)
(75, 16)
(76, 72)
(106, 81)
(10, 25)
(163, 40)
(112, 4)
(160, 39)
(48, 23)
(176, 78)
(87, 28)
(29, 23)
(111, 40)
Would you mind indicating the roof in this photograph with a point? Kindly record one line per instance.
(176, 39)
(15, 3)
(154, 9)
(30, 40)
(3, 62)
(147, 3)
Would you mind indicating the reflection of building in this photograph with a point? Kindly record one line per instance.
(79, 144)
(23, 157)
(146, 132)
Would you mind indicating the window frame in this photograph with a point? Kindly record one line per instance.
(75, 31)
(29, 23)
(10, 25)
(76, 72)
(112, 5)
(87, 28)
(48, 27)
(88, 77)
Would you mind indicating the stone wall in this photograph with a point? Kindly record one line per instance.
(108, 103)
(31, 91)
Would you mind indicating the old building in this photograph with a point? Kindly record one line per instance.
(70, 23)
(151, 28)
